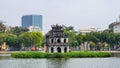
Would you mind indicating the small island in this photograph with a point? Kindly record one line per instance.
(79, 54)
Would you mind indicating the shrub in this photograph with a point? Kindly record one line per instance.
(79, 54)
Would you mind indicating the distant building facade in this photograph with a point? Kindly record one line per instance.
(33, 21)
(34, 29)
(56, 40)
(116, 27)
(84, 31)
(88, 30)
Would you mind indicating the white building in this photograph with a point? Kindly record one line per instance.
(34, 29)
(84, 31)
(116, 27)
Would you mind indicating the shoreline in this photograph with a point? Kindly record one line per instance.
(80, 54)
(9, 52)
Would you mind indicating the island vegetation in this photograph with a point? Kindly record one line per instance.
(79, 54)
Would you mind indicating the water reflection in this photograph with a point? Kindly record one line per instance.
(115, 54)
(5, 56)
(57, 63)
(110, 62)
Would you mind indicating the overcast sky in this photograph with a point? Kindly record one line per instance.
(77, 13)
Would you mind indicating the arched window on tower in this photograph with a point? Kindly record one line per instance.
(59, 50)
(51, 40)
(64, 40)
(58, 40)
(52, 50)
(65, 49)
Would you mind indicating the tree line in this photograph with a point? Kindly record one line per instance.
(96, 40)
(18, 38)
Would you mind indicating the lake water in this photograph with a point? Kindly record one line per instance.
(112, 62)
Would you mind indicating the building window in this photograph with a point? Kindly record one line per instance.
(59, 50)
(65, 49)
(58, 40)
(51, 40)
(52, 50)
(64, 40)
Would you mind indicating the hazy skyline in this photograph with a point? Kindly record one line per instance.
(77, 13)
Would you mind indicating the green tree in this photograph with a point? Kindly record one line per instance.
(69, 28)
(111, 27)
(13, 42)
(80, 38)
(2, 38)
(104, 37)
(99, 45)
(92, 45)
(117, 38)
(31, 38)
(2, 27)
(74, 44)
(36, 38)
(26, 39)
(91, 37)
(71, 33)
(111, 40)
(17, 30)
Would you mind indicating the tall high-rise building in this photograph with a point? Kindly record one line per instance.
(32, 20)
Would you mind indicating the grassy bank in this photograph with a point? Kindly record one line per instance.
(60, 55)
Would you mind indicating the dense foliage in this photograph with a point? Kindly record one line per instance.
(2, 27)
(71, 33)
(99, 38)
(15, 42)
(17, 30)
(31, 38)
(16, 37)
(80, 54)
(11, 40)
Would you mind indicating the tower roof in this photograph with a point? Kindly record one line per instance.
(56, 27)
